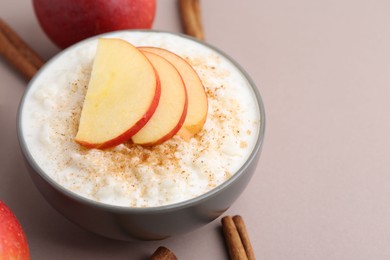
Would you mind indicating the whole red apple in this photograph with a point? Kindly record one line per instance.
(13, 241)
(69, 21)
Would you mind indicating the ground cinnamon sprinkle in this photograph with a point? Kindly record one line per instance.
(133, 155)
(132, 175)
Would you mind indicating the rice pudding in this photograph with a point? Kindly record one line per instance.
(131, 175)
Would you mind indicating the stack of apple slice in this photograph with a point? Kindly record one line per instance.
(146, 95)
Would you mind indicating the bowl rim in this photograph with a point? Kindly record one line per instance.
(154, 209)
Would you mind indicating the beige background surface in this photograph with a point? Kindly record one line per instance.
(322, 188)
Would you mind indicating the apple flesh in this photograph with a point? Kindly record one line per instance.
(13, 241)
(172, 108)
(68, 21)
(122, 95)
(197, 98)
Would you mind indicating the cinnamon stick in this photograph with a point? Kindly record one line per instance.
(243, 233)
(18, 53)
(163, 253)
(233, 240)
(191, 18)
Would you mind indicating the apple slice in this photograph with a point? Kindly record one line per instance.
(197, 98)
(123, 93)
(172, 108)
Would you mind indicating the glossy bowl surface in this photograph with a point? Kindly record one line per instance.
(152, 223)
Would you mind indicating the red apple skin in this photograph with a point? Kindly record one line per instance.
(182, 118)
(174, 130)
(68, 21)
(13, 241)
(134, 129)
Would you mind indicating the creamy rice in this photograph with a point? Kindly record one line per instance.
(131, 175)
